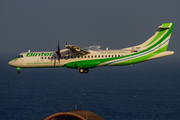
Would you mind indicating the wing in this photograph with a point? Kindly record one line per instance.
(79, 50)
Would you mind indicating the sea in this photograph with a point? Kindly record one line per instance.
(144, 91)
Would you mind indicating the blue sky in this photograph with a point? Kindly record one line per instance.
(39, 25)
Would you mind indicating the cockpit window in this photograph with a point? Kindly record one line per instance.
(19, 56)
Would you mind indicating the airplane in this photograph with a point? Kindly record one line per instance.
(91, 57)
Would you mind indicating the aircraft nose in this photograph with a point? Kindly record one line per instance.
(10, 62)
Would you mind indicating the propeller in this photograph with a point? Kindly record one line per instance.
(58, 53)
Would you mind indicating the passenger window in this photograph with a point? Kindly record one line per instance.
(81, 56)
(88, 56)
(71, 56)
(115, 55)
(99, 56)
(78, 56)
(74, 56)
(105, 55)
(91, 56)
(84, 56)
(49, 58)
(119, 56)
(112, 55)
(95, 56)
(102, 56)
(109, 56)
(41, 57)
(44, 57)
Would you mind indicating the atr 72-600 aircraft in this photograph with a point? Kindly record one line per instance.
(91, 57)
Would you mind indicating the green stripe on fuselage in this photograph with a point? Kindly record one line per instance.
(143, 58)
(161, 32)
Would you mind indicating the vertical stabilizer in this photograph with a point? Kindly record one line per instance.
(161, 37)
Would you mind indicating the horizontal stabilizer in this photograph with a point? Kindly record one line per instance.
(163, 54)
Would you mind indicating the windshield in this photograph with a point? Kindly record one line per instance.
(19, 56)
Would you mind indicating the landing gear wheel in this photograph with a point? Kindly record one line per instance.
(18, 71)
(81, 70)
(86, 70)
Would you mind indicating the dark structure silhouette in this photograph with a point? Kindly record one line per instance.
(75, 115)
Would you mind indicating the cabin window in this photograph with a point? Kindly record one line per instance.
(88, 56)
(81, 56)
(119, 56)
(74, 56)
(102, 56)
(21, 56)
(95, 56)
(112, 55)
(115, 55)
(99, 56)
(84, 56)
(122, 55)
(49, 57)
(91, 56)
(78, 56)
(105, 55)
(41, 57)
(109, 56)
(71, 56)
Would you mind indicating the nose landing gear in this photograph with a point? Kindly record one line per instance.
(18, 70)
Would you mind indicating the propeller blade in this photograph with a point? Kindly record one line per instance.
(54, 62)
(58, 54)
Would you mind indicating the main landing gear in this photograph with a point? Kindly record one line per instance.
(82, 70)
